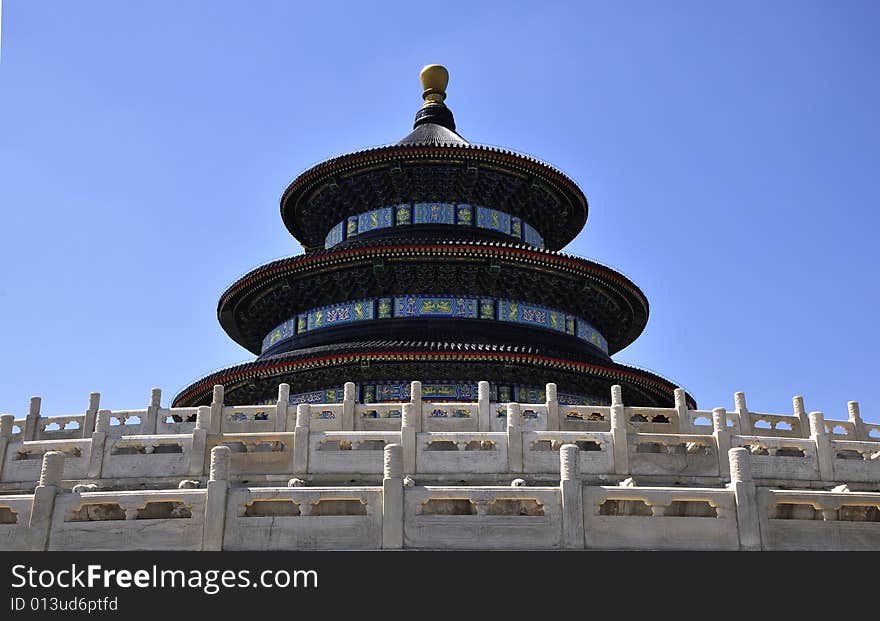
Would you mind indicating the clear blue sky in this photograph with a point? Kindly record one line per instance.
(729, 152)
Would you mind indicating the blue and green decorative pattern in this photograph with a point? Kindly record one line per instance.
(351, 229)
(532, 314)
(348, 312)
(335, 236)
(431, 391)
(452, 391)
(376, 219)
(516, 227)
(328, 395)
(384, 308)
(493, 219)
(452, 307)
(281, 333)
(487, 309)
(434, 213)
(433, 306)
(405, 214)
(465, 391)
(588, 333)
(531, 236)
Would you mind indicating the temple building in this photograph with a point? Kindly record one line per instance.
(433, 373)
(436, 259)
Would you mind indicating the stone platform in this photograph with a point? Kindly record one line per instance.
(419, 474)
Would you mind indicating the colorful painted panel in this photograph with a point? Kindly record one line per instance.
(516, 227)
(335, 236)
(347, 312)
(435, 306)
(530, 395)
(393, 392)
(403, 214)
(376, 219)
(434, 213)
(532, 237)
(385, 414)
(441, 391)
(384, 308)
(431, 391)
(533, 314)
(328, 395)
(429, 306)
(281, 333)
(588, 333)
(449, 392)
(505, 394)
(487, 309)
(572, 399)
(493, 219)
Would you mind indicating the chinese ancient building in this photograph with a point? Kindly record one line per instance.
(433, 373)
(438, 259)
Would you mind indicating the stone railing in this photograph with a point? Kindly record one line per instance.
(402, 514)
(469, 440)
(810, 520)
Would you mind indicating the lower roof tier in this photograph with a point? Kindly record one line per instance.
(266, 298)
(320, 368)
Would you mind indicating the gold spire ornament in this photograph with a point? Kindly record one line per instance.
(434, 80)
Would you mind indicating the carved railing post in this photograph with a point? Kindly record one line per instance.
(215, 502)
(484, 416)
(281, 407)
(681, 410)
(620, 449)
(801, 412)
(415, 397)
(742, 412)
(855, 417)
(98, 445)
(301, 438)
(91, 413)
(572, 497)
(409, 426)
(392, 497)
(819, 435)
(32, 422)
(215, 424)
(204, 418)
(43, 506)
(552, 407)
(349, 400)
(514, 438)
(7, 421)
(722, 441)
(152, 422)
(746, 499)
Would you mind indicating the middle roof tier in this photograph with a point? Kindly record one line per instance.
(570, 295)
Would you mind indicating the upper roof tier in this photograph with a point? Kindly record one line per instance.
(430, 184)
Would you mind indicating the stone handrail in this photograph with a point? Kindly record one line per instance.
(775, 421)
(572, 514)
(155, 419)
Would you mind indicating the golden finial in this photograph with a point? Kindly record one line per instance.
(434, 80)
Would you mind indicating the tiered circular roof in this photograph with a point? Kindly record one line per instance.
(433, 165)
